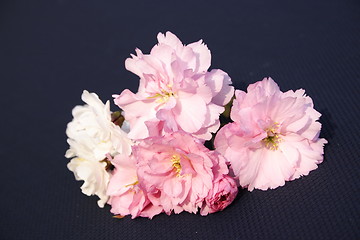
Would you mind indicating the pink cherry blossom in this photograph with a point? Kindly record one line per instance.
(176, 171)
(220, 196)
(274, 137)
(126, 197)
(176, 91)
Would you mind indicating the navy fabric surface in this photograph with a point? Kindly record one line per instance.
(51, 50)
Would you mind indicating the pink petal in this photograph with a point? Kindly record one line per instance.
(169, 39)
(203, 55)
(220, 82)
(190, 116)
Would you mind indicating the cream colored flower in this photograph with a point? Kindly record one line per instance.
(92, 135)
(94, 175)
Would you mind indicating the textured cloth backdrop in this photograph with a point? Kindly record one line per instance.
(51, 50)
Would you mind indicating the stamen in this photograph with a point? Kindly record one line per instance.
(164, 95)
(132, 184)
(273, 139)
(175, 159)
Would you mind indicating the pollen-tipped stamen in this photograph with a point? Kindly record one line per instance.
(175, 159)
(132, 184)
(273, 139)
(164, 95)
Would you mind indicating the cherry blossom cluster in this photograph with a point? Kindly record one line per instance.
(150, 157)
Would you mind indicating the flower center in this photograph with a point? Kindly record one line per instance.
(273, 139)
(164, 95)
(175, 159)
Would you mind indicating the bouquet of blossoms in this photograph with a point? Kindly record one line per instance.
(149, 157)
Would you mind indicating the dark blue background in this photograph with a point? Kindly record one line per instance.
(51, 50)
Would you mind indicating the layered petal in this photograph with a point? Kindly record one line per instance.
(177, 172)
(126, 197)
(175, 92)
(91, 136)
(274, 137)
(94, 175)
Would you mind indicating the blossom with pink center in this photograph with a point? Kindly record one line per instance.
(177, 171)
(274, 137)
(126, 197)
(176, 91)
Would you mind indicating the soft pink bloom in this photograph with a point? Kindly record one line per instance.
(220, 196)
(176, 93)
(126, 197)
(274, 137)
(177, 171)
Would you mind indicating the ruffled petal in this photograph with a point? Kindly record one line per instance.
(219, 83)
